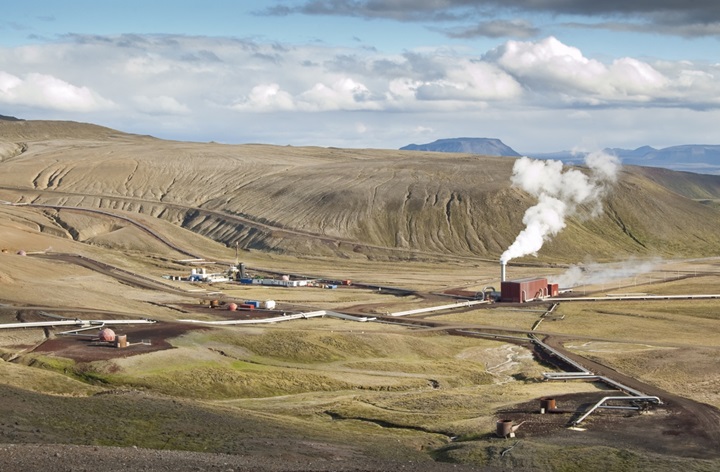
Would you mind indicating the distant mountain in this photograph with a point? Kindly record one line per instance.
(10, 118)
(639, 153)
(698, 158)
(484, 146)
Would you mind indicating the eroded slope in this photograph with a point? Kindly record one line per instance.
(339, 202)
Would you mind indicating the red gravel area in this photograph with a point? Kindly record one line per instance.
(85, 349)
(666, 429)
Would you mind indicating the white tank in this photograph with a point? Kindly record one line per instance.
(268, 304)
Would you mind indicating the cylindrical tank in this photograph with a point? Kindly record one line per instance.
(232, 306)
(214, 303)
(121, 341)
(285, 278)
(504, 428)
(242, 270)
(547, 404)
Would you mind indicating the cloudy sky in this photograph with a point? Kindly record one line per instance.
(542, 75)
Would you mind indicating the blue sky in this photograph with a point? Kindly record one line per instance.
(381, 74)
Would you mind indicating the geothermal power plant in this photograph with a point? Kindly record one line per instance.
(525, 289)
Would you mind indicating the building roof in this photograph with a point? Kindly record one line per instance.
(527, 279)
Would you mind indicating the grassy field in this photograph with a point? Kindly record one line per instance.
(327, 388)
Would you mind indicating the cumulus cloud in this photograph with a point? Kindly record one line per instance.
(550, 65)
(343, 94)
(265, 97)
(46, 91)
(202, 80)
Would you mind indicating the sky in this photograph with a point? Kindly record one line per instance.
(541, 75)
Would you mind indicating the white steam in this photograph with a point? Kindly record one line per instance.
(559, 194)
(594, 274)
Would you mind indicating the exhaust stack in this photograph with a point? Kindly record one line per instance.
(503, 266)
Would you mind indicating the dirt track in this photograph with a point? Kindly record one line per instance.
(685, 427)
(120, 274)
(700, 422)
(235, 218)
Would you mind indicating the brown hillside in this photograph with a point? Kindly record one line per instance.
(687, 184)
(39, 130)
(375, 203)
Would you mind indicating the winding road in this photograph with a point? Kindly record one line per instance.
(706, 417)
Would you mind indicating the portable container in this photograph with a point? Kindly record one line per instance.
(269, 304)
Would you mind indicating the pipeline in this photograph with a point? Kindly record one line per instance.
(585, 374)
(277, 319)
(642, 398)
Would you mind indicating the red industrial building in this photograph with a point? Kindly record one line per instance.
(523, 290)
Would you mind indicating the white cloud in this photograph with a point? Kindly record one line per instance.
(550, 64)
(264, 98)
(160, 105)
(236, 90)
(343, 94)
(46, 91)
(552, 69)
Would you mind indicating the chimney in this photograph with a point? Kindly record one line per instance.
(502, 270)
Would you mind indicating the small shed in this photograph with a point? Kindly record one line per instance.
(523, 290)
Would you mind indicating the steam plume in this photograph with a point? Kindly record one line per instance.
(591, 274)
(559, 194)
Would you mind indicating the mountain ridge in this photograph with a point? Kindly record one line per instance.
(697, 158)
(348, 203)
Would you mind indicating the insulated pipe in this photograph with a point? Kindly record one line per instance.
(627, 399)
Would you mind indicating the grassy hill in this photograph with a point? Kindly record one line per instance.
(343, 202)
(341, 392)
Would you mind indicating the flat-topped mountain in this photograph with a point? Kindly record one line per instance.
(483, 146)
